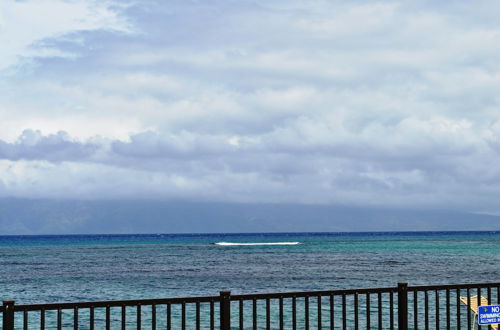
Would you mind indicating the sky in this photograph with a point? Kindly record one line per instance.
(372, 103)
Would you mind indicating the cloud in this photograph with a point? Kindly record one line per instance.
(31, 145)
(364, 102)
(306, 161)
(26, 27)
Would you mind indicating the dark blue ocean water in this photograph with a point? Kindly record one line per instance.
(98, 267)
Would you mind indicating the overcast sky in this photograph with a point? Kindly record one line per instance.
(378, 103)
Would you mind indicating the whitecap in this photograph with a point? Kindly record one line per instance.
(254, 244)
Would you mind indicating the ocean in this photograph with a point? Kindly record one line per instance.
(42, 269)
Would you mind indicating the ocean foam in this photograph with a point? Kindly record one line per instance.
(252, 244)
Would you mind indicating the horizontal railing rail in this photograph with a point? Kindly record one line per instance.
(399, 307)
(312, 293)
(453, 286)
(114, 303)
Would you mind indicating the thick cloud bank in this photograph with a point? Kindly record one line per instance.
(364, 102)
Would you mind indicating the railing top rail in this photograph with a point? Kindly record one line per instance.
(114, 303)
(273, 295)
(276, 295)
(453, 286)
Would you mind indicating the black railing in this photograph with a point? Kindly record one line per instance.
(402, 307)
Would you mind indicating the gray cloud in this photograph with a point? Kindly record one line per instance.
(32, 145)
(261, 168)
(365, 102)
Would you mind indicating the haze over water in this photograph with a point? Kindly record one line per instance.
(39, 269)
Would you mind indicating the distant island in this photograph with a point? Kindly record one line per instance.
(44, 216)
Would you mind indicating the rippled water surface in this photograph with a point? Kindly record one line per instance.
(69, 268)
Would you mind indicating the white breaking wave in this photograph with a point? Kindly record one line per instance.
(250, 244)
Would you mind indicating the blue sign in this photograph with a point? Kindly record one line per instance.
(488, 314)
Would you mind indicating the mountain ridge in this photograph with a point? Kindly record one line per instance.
(43, 216)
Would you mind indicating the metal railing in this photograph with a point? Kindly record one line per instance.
(401, 307)
(444, 300)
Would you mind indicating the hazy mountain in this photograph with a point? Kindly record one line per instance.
(23, 216)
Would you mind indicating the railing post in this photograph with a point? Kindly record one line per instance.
(225, 310)
(8, 315)
(403, 305)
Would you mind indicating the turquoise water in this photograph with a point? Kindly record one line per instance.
(36, 269)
